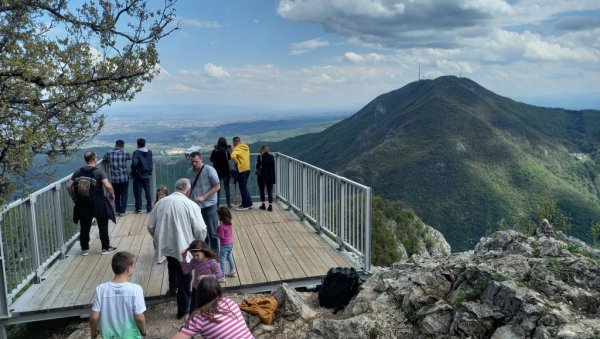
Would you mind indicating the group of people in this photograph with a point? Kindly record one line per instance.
(141, 172)
(240, 154)
(118, 306)
(188, 226)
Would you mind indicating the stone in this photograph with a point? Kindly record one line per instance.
(251, 320)
(291, 305)
(436, 319)
(508, 332)
(544, 229)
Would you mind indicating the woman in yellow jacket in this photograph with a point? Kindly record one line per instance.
(241, 157)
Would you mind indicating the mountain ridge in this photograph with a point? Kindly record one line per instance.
(463, 157)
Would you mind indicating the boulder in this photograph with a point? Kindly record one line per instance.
(291, 304)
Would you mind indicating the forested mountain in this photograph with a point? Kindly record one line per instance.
(464, 158)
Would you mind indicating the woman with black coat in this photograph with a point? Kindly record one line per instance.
(265, 175)
(220, 157)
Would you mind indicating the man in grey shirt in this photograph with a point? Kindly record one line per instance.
(205, 185)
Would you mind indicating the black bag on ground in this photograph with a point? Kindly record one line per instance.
(339, 287)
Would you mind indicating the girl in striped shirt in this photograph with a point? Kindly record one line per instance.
(203, 263)
(216, 317)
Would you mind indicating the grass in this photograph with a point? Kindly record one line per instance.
(473, 292)
(561, 270)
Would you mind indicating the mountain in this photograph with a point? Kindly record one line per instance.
(464, 158)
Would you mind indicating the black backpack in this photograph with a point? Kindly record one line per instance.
(339, 287)
(86, 184)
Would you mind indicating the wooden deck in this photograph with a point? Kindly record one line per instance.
(269, 248)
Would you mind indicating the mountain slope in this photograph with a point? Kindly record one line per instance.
(463, 157)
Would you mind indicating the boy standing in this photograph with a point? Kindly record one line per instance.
(118, 304)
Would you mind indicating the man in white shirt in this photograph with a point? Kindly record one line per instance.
(174, 223)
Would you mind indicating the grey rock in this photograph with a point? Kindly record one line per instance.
(544, 229)
(291, 306)
(508, 332)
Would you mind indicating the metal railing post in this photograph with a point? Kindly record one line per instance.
(321, 207)
(277, 177)
(342, 215)
(33, 238)
(290, 185)
(58, 221)
(367, 257)
(4, 299)
(303, 194)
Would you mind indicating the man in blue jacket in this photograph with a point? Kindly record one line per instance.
(141, 170)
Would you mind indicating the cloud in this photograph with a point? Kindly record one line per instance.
(577, 23)
(398, 24)
(372, 57)
(199, 24)
(215, 71)
(307, 45)
(351, 56)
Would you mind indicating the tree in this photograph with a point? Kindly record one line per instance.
(60, 64)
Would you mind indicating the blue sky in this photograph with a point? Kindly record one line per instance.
(340, 54)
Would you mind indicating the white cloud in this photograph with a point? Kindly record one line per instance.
(215, 71)
(307, 45)
(351, 56)
(199, 24)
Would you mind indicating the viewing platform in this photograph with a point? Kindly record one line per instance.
(320, 221)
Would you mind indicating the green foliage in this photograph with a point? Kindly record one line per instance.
(481, 281)
(595, 233)
(462, 157)
(545, 209)
(561, 270)
(392, 223)
(59, 64)
(373, 332)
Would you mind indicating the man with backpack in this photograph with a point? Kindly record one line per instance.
(85, 189)
(141, 170)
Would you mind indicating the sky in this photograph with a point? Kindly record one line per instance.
(328, 55)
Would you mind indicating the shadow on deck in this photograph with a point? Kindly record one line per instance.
(270, 248)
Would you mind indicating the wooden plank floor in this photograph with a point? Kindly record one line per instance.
(269, 247)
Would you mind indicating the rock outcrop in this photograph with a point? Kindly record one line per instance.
(509, 286)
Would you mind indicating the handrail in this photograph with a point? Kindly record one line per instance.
(38, 229)
(336, 206)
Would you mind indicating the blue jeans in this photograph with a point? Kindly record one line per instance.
(209, 215)
(225, 186)
(243, 182)
(226, 253)
(121, 191)
(138, 185)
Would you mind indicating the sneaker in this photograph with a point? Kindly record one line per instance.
(222, 280)
(270, 209)
(85, 252)
(241, 208)
(263, 207)
(232, 274)
(138, 212)
(110, 249)
(161, 260)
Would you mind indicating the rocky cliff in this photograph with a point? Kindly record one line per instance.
(510, 286)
